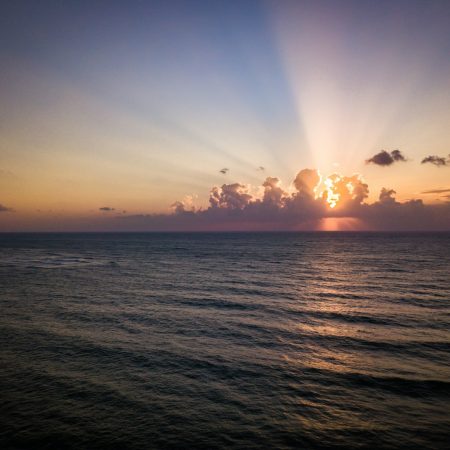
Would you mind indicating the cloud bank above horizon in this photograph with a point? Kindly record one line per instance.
(314, 202)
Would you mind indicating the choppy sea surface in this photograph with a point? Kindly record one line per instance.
(237, 341)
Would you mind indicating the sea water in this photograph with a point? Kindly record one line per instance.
(225, 340)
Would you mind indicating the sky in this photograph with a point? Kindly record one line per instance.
(139, 115)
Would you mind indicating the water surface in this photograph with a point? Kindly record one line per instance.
(271, 340)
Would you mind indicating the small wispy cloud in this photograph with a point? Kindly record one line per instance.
(224, 170)
(436, 191)
(438, 161)
(7, 174)
(4, 208)
(385, 158)
(106, 208)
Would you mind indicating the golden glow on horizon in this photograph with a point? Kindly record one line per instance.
(340, 224)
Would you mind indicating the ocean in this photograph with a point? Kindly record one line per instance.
(224, 340)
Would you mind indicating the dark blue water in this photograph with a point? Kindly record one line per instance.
(225, 341)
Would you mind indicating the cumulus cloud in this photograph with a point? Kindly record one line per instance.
(273, 193)
(229, 196)
(185, 205)
(224, 170)
(345, 190)
(438, 161)
(106, 208)
(387, 196)
(306, 182)
(4, 208)
(178, 207)
(385, 158)
(315, 199)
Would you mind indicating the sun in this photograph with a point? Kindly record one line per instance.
(337, 189)
(330, 193)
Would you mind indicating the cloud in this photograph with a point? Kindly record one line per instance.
(261, 169)
(344, 190)
(229, 196)
(224, 170)
(438, 161)
(436, 191)
(178, 207)
(106, 208)
(4, 208)
(385, 158)
(185, 205)
(337, 198)
(273, 193)
(387, 196)
(306, 181)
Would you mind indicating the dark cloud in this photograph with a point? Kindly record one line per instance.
(4, 208)
(385, 158)
(397, 155)
(106, 208)
(387, 196)
(438, 161)
(224, 170)
(261, 169)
